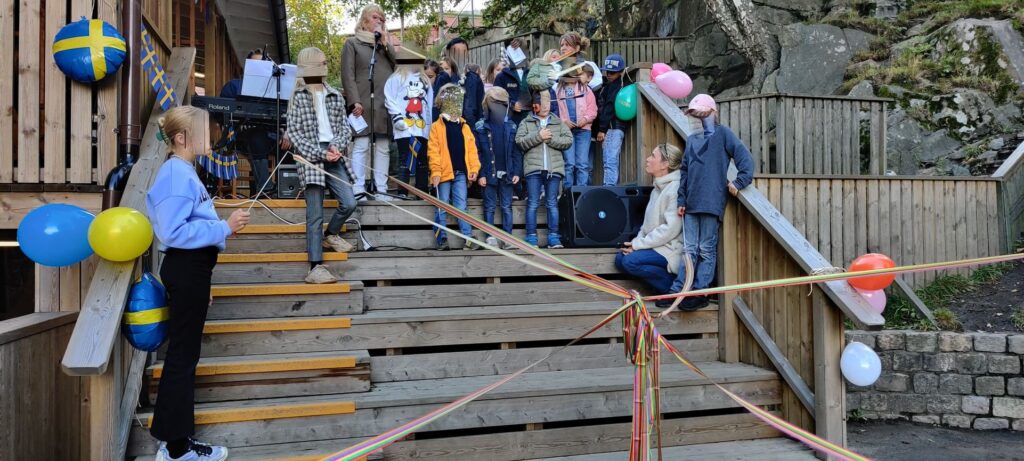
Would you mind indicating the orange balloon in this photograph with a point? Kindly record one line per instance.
(872, 261)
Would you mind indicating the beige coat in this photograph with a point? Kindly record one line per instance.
(662, 225)
(355, 73)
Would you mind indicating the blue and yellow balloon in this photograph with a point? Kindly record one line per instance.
(88, 50)
(145, 317)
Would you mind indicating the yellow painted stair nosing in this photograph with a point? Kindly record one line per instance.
(266, 366)
(250, 326)
(226, 291)
(255, 413)
(275, 257)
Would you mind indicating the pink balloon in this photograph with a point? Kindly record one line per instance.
(659, 68)
(876, 298)
(676, 84)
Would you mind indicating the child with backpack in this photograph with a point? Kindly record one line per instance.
(454, 162)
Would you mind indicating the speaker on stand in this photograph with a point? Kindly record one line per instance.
(602, 216)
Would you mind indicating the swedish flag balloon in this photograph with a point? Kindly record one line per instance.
(88, 50)
(145, 318)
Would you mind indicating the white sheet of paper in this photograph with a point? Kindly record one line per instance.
(258, 80)
(516, 55)
(357, 123)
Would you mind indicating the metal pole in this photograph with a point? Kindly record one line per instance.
(129, 131)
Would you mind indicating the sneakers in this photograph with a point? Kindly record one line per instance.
(196, 452)
(472, 246)
(554, 241)
(531, 239)
(442, 245)
(492, 242)
(320, 275)
(688, 304)
(338, 244)
(664, 303)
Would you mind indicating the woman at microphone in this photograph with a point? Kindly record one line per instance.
(370, 40)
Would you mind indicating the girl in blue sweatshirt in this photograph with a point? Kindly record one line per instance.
(703, 186)
(191, 235)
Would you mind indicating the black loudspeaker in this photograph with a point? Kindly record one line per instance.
(592, 216)
(288, 183)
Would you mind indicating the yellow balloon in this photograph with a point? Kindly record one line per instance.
(120, 234)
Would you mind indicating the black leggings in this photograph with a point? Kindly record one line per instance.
(186, 274)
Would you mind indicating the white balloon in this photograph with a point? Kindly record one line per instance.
(860, 365)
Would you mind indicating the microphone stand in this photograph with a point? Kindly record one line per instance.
(276, 75)
(373, 134)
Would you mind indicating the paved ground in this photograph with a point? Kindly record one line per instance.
(908, 441)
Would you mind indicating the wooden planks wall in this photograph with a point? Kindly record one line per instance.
(911, 219)
(635, 50)
(42, 407)
(789, 134)
(1011, 197)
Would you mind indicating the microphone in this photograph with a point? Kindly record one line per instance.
(376, 36)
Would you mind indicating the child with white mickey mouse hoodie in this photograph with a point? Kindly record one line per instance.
(409, 99)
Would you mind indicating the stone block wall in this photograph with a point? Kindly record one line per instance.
(964, 380)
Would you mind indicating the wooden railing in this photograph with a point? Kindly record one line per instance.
(1011, 198)
(913, 219)
(820, 135)
(40, 406)
(96, 349)
(796, 330)
(634, 50)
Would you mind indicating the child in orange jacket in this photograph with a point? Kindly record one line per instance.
(454, 161)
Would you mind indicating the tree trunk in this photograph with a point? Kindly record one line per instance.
(740, 23)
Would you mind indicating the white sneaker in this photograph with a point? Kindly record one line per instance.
(338, 244)
(492, 242)
(320, 275)
(196, 452)
(384, 198)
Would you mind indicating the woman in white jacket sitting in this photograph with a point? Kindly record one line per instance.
(654, 255)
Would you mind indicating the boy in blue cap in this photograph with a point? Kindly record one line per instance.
(609, 127)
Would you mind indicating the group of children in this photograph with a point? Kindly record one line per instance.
(510, 139)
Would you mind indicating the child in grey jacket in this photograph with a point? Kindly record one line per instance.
(542, 138)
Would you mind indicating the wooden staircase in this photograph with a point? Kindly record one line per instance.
(294, 371)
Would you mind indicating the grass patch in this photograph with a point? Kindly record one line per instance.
(900, 314)
(1018, 319)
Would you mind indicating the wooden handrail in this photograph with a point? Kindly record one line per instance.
(1011, 164)
(807, 96)
(874, 177)
(88, 352)
(32, 324)
(770, 349)
(852, 303)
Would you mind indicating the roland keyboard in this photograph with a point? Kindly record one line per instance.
(241, 110)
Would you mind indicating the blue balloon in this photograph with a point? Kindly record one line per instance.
(88, 50)
(56, 234)
(145, 317)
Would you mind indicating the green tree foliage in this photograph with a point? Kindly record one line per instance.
(318, 23)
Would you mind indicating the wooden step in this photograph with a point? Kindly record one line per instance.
(485, 294)
(411, 367)
(371, 213)
(518, 445)
(559, 396)
(439, 327)
(273, 300)
(275, 375)
(414, 239)
(773, 449)
(221, 327)
(406, 265)
(270, 258)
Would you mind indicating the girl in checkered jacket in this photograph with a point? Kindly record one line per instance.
(320, 132)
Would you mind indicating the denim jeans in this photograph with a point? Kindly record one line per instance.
(700, 241)
(649, 266)
(551, 186)
(499, 193)
(315, 209)
(413, 166)
(610, 150)
(577, 159)
(453, 192)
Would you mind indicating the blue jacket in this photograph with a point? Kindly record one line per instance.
(704, 182)
(181, 211)
(606, 118)
(496, 143)
(508, 80)
(474, 98)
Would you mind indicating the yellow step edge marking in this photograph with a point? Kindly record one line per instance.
(312, 457)
(225, 291)
(248, 326)
(279, 229)
(270, 203)
(276, 257)
(266, 366)
(298, 410)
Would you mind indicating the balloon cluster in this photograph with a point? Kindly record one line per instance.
(674, 83)
(58, 234)
(859, 364)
